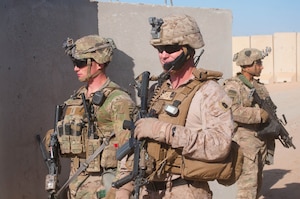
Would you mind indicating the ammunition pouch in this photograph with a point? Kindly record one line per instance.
(72, 131)
(108, 158)
(76, 144)
(169, 160)
(65, 145)
(91, 146)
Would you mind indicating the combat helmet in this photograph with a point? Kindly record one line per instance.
(247, 56)
(90, 47)
(178, 29)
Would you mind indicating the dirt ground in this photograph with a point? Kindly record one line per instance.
(282, 179)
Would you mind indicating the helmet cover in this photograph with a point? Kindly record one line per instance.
(177, 29)
(92, 46)
(248, 55)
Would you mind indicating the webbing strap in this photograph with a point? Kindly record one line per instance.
(245, 81)
(85, 164)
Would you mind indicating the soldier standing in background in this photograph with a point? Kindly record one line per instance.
(81, 132)
(250, 119)
(192, 110)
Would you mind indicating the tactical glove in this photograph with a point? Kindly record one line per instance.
(272, 130)
(264, 115)
(154, 129)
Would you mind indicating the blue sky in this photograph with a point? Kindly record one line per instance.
(254, 17)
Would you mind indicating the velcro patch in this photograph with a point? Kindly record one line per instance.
(231, 93)
(169, 95)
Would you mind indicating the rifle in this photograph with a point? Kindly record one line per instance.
(51, 157)
(133, 145)
(270, 107)
(197, 58)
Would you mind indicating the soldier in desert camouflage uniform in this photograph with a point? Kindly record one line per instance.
(250, 118)
(110, 106)
(202, 126)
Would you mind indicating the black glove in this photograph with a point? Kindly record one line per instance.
(270, 131)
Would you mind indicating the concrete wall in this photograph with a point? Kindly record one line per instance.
(285, 57)
(282, 64)
(36, 75)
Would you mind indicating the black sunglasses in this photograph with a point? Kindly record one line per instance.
(168, 48)
(79, 63)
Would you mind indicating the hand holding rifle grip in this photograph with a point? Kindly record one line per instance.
(134, 145)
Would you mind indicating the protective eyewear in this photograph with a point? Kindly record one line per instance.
(79, 63)
(168, 48)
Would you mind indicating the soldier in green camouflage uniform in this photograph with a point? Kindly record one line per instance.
(109, 107)
(250, 118)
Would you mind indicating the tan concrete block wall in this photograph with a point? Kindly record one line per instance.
(285, 57)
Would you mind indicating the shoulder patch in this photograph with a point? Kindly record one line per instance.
(224, 105)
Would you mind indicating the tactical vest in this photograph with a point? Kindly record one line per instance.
(169, 160)
(73, 134)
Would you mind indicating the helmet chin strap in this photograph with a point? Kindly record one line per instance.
(248, 72)
(89, 75)
(179, 61)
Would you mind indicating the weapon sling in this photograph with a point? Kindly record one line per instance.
(84, 165)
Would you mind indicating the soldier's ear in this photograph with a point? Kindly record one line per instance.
(99, 66)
